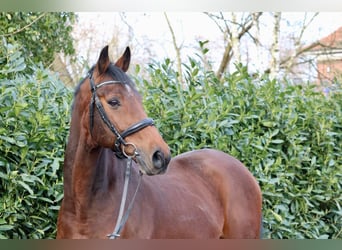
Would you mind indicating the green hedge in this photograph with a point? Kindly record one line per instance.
(34, 117)
(288, 136)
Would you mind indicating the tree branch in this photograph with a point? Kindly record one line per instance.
(244, 29)
(297, 53)
(179, 61)
(25, 27)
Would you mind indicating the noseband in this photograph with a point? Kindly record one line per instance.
(120, 137)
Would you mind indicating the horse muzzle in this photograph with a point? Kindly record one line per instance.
(156, 165)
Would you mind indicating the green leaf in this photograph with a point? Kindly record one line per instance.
(25, 186)
(3, 176)
(268, 124)
(6, 227)
(323, 236)
(277, 216)
(277, 141)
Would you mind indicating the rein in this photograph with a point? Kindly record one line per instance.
(121, 220)
(119, 150)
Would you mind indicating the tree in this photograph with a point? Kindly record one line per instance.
(91, 32)
(233, 30)
(288, 51)
(177, 49)
(274, 67)
(39, 35)
(291, 63)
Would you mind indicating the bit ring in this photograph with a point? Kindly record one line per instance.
(129, 154)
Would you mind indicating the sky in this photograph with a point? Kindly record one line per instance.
(152, 34)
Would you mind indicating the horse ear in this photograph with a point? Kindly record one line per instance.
(103, 62)
(124, 60)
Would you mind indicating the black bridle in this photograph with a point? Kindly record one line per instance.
(118, 149)
(120, 137)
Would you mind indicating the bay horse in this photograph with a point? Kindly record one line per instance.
(199, 194)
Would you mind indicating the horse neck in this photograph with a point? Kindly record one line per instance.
(87, 168)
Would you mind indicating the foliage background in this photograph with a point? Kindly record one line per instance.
(288, 136)
(34, 118)
(39, 35)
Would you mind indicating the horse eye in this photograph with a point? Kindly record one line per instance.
(114, 103)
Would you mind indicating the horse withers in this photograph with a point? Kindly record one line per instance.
(199, 194)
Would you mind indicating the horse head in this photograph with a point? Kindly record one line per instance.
(117, 118)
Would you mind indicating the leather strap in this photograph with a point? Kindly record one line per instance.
(121, 220)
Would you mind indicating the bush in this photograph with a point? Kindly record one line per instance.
(288, 136)
(34, 112)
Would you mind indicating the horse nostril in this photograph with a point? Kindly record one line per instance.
(167, 160)
(159, 160)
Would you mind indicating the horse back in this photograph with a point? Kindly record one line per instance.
(238, 192)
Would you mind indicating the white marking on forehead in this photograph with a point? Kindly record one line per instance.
(129, 89)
